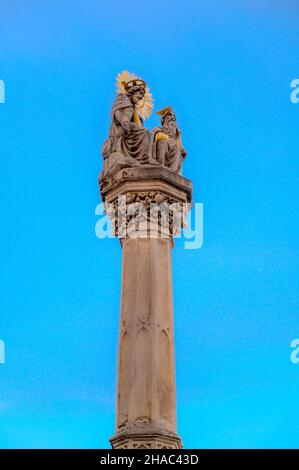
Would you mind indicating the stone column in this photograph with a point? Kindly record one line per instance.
(146, 397)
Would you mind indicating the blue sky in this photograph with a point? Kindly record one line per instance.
(226, 68)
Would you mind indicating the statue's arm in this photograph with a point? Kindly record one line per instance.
(124, 117)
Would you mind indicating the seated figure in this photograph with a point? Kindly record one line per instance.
(168, 149)
(129, 143)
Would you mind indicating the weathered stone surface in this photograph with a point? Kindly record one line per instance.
(152, 176)
(146, 373)
(148, 201)
(146, 398)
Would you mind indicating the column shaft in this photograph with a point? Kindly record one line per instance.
(146, 401)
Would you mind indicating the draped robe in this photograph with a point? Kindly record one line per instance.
(169, 152)
(136, 143)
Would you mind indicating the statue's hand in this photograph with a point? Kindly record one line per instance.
(161, 136)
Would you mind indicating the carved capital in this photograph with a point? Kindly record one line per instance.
(147, 202)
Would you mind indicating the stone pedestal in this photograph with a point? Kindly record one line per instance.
(146, 398)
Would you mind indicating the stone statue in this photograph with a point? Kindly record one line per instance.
(168, 149)
(129, 143)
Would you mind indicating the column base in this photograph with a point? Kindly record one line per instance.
(137, 438)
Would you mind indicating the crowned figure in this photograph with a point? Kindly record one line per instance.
(168, 148)
(129, 143)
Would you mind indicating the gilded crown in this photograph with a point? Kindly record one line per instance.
(134, 82)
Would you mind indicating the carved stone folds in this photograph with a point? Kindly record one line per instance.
(147, 201)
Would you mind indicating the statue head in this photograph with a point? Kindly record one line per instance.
(135, 89)
(168, 118)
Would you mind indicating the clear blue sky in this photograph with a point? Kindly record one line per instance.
(226, 68)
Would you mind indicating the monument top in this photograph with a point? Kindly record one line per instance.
(130, 144)
(143, 167)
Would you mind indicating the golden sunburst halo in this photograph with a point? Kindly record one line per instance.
(145, 107)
